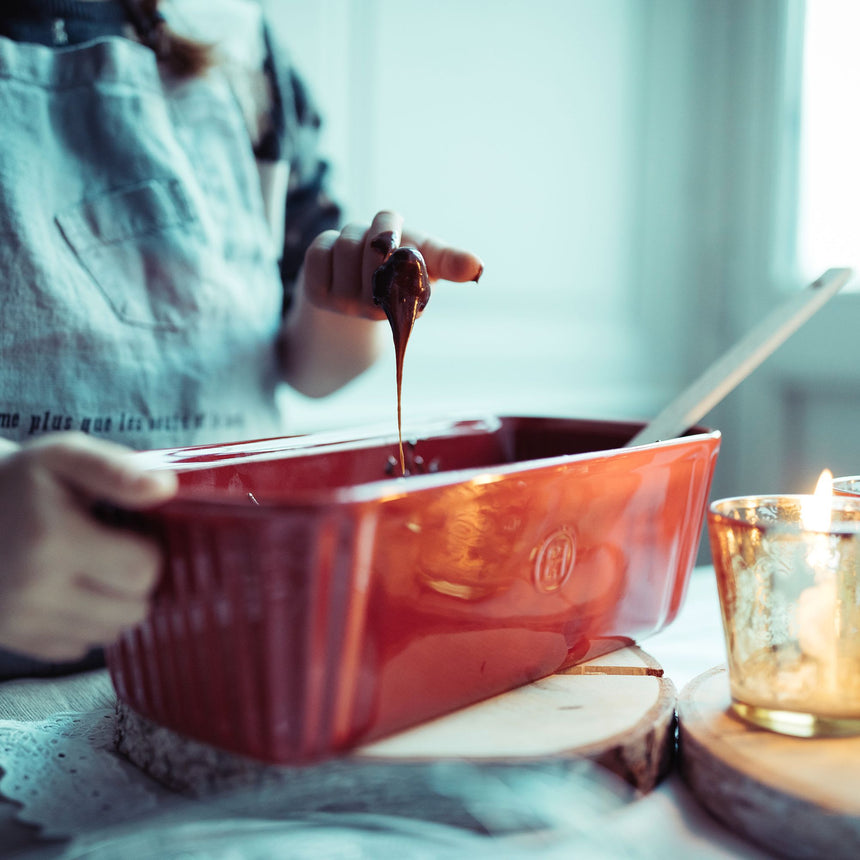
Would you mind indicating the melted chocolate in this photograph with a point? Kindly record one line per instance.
(402, 289)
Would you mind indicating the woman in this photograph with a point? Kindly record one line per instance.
(169, 256)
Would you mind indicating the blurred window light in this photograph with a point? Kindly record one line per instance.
(829, 223)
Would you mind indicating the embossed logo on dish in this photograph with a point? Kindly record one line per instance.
(554, 560)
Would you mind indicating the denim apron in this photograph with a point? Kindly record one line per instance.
(139, 290)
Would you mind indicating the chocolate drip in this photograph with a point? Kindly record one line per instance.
(402, 289)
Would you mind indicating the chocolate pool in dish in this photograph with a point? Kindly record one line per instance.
(346, 605)
(401, 288)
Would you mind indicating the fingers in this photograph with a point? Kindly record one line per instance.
(339, 266)
(347, 261)
(125, 567)
(85, 620)
(73, 597)
(67, 581)
(53, 648)
(332, 273)
(318, 267)
(443, 261)
(382, 238)
(101, 469)
(88, 618)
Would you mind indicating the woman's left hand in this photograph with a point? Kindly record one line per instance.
(339, 266)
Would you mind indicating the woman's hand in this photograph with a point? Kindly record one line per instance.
(332, 333)
(339, 266)
(68, 582)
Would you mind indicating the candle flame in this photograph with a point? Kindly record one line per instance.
(815, 509)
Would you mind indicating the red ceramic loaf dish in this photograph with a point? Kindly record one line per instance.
(311, 601)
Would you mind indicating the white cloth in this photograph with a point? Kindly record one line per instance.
(64, 775)
(69, 783)
(139, 285)
(667, 823)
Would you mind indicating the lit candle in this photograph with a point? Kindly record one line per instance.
(787, 570)
(816, 614)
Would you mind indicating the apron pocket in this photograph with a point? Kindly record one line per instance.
(142, 246)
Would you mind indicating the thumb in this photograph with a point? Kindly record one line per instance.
(102, 469)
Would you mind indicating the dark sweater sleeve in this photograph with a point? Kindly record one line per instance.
(294, 136)
(14, 665)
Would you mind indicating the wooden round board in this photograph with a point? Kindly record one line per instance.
(795, 797)
(616, 710)
(572, 731)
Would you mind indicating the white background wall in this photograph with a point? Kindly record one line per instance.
(628, 169)
(514, 129)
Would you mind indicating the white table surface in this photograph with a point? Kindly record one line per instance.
(668, 822)
(691, 645)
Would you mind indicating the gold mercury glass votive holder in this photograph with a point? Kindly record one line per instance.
(791, 613)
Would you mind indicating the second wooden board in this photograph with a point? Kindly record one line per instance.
(795, 797)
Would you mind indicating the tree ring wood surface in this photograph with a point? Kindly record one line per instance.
(795, 797)
(617, 711)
